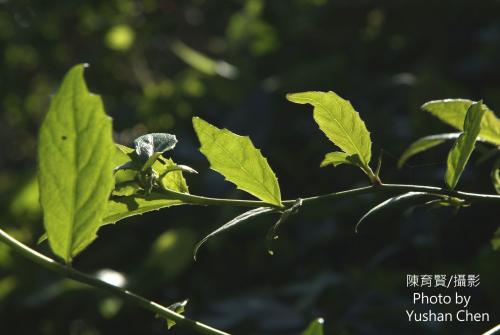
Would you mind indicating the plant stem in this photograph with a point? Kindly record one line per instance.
(403, 188)
(133, 298)
(389, 189)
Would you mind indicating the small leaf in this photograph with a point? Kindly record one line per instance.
(337, 158)
(149, 147)
(464, 145)
(315, 327)
(42, 239)
(171, 177)
(339, 121)
(121, 206)
(178, 308)
(75, 166)
(397, 200)
(236, 158)
(425, 143)
(453, 111)
(234, 222)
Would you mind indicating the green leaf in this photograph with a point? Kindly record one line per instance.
(464, 145)
(178, 308)
(233, 223)
(120, 208)
(126, 188)
(171, 177)
(425, 143)
(339, 121)
(337, 158)
(315, 327)
(236, 158)
(453, 111)
(149, 147)
(397, 200)
(127, 202)
(75, 166)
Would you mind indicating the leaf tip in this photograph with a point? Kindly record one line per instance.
(296, 97)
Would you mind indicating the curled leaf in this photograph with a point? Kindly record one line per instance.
(149, 147)
(234, 222)
(146, 145)
(395, 201)
(425, 143)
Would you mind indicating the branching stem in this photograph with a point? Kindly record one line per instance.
(388, 189)
(69, 272)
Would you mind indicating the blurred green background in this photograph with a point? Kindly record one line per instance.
(158, 63)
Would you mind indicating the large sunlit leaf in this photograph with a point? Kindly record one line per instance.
(425, 143)
(464, 145)
(339, 121)
(403, 199)
(453, 111)
(75, 166)
(315, 327)
(236, 158)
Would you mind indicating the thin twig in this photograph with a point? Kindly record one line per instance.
(388, 189)
(81, 277)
